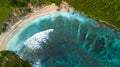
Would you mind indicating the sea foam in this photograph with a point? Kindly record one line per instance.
(34, 41)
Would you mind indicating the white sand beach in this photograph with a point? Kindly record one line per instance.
(5, 37)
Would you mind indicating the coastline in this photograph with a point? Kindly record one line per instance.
(5, 37)
(42, 11)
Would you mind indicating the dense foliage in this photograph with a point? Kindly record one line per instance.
(6, 5)
(22, 3)
(19, 3)
(9, 59)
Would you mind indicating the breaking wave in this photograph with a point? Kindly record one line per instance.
(35, 41)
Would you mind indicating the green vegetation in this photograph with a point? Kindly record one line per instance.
(23, 3)
(4, 9)
(57, 2)
(9, 59)
(106, 10)
(19, 3)
(6, 5)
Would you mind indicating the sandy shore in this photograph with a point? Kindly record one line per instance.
(5, 37)
(21, 24)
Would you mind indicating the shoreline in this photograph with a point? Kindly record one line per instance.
(5, 37)
(22, 23)
(42, 11)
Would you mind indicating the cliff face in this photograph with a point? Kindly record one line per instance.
(9, 59)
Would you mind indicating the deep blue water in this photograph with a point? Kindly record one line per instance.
(67, 39)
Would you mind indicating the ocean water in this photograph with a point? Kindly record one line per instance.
(67, 39)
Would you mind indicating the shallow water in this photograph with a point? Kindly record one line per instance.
(67, 39)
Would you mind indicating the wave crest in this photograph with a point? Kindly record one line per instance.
(34, 41)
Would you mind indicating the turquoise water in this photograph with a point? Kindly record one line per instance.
(67, 39)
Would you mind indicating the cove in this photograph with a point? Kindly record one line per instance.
(67, 39)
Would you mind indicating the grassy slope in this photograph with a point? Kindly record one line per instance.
(107, 10)
(8, 59)
(4, 9)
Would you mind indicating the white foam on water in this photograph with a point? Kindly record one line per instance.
(37, 64)
(34, 41)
